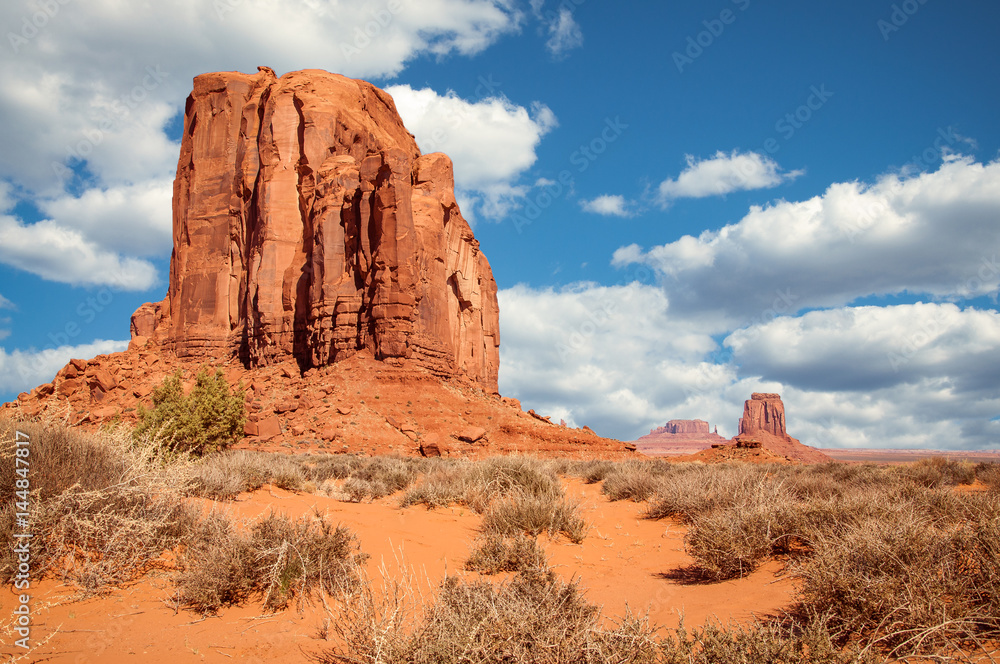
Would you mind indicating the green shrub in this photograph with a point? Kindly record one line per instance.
(208, 419)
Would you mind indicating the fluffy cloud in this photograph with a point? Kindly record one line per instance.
(723, 174)
(22, 370)
(564, 34)
(610, 357)
(491, 141)
(134, 219)
(607, 205)
(64, 255)
(621, 361)
(932, 233)
(871, 348)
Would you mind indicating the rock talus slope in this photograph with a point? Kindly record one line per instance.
(307, 225)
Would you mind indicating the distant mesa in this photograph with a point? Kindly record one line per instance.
(679, 437)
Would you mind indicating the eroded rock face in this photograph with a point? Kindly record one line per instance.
(308, 225)
(763, 412)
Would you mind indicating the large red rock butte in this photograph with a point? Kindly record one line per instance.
(321, 261)
(308, 225)
(763, 412)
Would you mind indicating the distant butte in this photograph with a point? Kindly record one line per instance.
(762, 437)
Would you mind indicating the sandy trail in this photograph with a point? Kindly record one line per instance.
(624, 561)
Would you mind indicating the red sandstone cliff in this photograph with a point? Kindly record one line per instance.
(307, 225)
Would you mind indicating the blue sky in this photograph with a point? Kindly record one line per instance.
(682, 202)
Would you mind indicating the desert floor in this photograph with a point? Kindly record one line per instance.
(625, 561)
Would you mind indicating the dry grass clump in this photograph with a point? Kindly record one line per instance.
(476, 484)
(224, 476)
(534, 617)
(910, 580)
(515, 495)
(277, 558)
(102, 509)
(635, 480)
(898, 558)
(495, 553)
(760, 643)
(989, 474)
(939, 472)
(519, 513)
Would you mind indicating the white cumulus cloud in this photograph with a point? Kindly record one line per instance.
(56, 253)
(723, 174)
(622, 361)
(491, 141)
(932, 233)
(607, 205)
(565, 33)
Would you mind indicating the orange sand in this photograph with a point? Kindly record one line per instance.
(625, 560)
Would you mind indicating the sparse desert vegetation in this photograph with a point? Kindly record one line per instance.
(888, 562)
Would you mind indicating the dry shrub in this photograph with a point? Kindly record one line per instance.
(276, 557)
(695, 488)
(522, 513)
(910, 580)
(760, 643)
(494, 554)
(634, 480)
(731, 542)
(989, 474)
(939, 471)
(354, 490)
(221, 568)
(591, 471)
(534, 617)
(224, 476)
(386, 475)
(102, 509)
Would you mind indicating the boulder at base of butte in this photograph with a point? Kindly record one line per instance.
(321, 260)
(762, 437)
